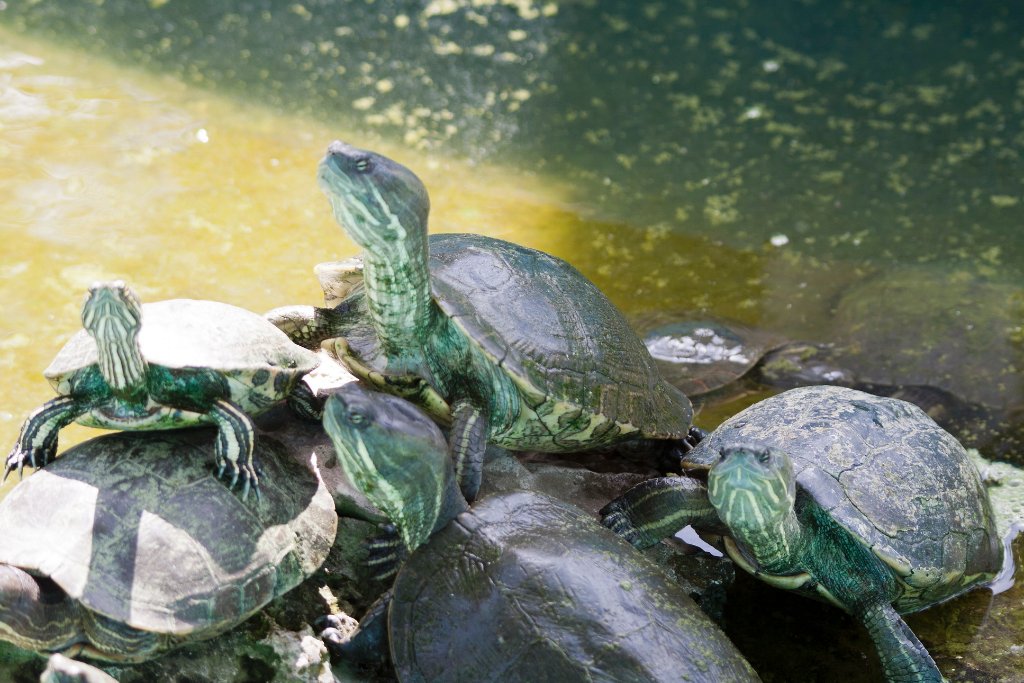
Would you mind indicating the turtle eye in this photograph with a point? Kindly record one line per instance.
(363, 165)
(764, 457)
(357, 418)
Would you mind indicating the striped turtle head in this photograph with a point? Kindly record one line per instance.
(378, 202)
(112, 314)
(112, 311)
(752, 487)
(395, 455)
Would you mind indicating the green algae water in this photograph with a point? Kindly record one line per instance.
(812, 168)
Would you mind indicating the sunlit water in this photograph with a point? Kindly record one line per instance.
(721, 159)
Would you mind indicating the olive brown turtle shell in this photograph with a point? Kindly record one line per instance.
(888, 474)
(138, 529)
(524, 587)
(581, 351)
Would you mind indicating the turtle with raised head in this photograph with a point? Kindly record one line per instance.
(128, 545)
(520, 586)
(855, 499)
(514, 346)
(164, 365)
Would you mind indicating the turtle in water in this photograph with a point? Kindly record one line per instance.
(705, 356)
(520, 587)
(514, 345)
(942, 339)
(856, 499)
(164, 365)
(127, 545)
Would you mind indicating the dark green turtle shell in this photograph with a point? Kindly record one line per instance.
(699, 356)
(139, 530)
(884, 470)
(581, 352)
(524, 587)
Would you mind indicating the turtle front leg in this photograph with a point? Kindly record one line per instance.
(412, 388)
(904, 657)
(234, 445)
(658, 508)
(37, 442)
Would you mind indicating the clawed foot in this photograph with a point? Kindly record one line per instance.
(21, 456)
(246, 473)
(617, 520)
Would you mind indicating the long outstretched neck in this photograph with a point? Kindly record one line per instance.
(399, 297)
(753, 491)
(113, 316)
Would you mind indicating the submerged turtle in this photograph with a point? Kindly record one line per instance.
(520, 587)
(127, 545)
(523, 349)
(859, 500)
(162, 365)
(957, 334)
(704, 356)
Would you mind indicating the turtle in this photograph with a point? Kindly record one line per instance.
(519, 587)
(513, 346)
(127, 546)
(859, 500)
(703, 356)
(167, 364)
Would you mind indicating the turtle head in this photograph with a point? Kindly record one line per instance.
(752, 487)
(112, 314)
(395, 455)
(377, 201)
(112, 310)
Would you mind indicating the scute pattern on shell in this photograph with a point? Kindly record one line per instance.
(889, 475)
(140, 530)
(563, 598)
(582, 352)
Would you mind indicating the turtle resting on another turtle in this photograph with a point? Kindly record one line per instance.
(163, 365)
(859, 500)
(127, 545)
(515, 346)
(520, 587)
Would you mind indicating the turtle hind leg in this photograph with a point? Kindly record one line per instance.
(307, 326)
(233, 450)
(37, 442)
(304, 402)
(368, 644)
(904, 657)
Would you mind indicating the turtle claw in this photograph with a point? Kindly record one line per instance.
(619, 523)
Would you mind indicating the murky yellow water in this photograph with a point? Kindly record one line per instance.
(109, 173)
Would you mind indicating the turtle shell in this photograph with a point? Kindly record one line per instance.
(138, 529)
(190, 333)
(524, 587)
(703, 355)
(580, 351)
(888, 474)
